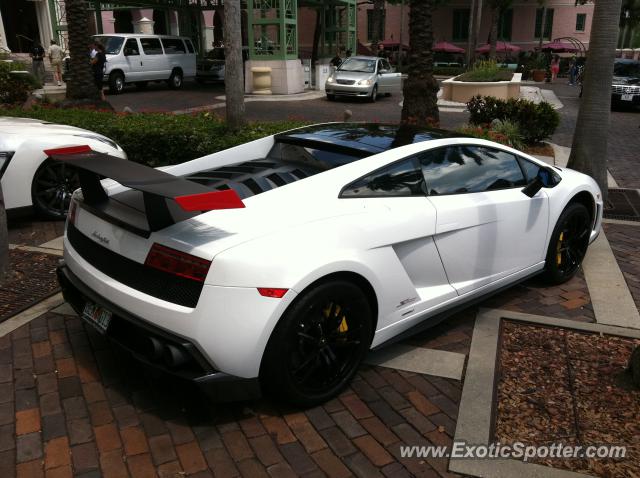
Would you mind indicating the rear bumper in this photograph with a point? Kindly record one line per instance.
(151, 345)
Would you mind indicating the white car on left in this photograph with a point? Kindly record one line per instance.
(32, 182)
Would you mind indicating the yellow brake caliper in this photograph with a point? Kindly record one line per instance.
(343, 327)
(558, 247)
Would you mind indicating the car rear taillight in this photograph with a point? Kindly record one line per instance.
(177, 263)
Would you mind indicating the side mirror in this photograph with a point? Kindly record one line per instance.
(543, 179)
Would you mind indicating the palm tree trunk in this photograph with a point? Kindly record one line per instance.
(544, 20)
(495, 19)
(420, 89)
(472, 41)
(378, 19)
(233, 76)
(4, 240)
(80, 84)
(316, 37)
(589, 148)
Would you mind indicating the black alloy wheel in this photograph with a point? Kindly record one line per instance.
(116, 82)
(318, 345)
(52, 187)
(568, 245)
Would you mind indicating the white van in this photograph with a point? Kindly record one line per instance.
(139, 58)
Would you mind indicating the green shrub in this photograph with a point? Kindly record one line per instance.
(510, 130)
(536, 122)
(15, 88)
(487, 70)
(158, 139)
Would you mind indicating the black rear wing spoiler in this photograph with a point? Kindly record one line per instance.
(156, 186)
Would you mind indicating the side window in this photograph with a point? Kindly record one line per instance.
(190, 46)
(173, 46)
(530, 169)
(398, 179)
(380, 66)
(385, 65)
(151, 46)
(469, 169)
(131, 47)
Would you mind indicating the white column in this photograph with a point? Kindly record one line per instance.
(3, 42)
(44, 23)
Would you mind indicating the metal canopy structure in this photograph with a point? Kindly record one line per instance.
(272, 25)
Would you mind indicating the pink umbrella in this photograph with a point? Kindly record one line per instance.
(500, 47)
(559, 46)
(446, 47)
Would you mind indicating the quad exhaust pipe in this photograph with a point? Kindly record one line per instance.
(156, 350)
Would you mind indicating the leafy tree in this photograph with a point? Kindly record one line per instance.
(590, 145)
(233, 76)
(420, 89)
(80, 84)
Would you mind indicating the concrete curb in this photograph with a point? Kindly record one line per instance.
(439, 363)
(610, 296)
(31, 313)
(475, 416)
(55, 252)
(562, 154)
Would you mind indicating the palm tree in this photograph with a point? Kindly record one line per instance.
(80, 84)
(589, 148)
(497, 8)
(4, 240)
(543, 21)
(233, 75)
(420, 89)
(378, 23)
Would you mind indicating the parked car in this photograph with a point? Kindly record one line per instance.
(211, 67)
(363, 77)
(139, 58)
(279, 263)
(30, 180)
(625, 89)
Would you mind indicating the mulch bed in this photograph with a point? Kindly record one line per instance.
(32, 278)
(563, 386)
(541, 149)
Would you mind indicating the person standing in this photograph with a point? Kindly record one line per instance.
(97, 64)
(573, 68)
(555, 68)
(37, 62)
(55, 55)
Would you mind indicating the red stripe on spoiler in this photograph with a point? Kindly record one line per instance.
(227, 199)
(68, 150)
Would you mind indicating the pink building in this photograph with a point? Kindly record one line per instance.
(520, 25)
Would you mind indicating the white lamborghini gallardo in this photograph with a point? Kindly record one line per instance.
(276, 265)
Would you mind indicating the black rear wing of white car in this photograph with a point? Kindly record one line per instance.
(166, 199)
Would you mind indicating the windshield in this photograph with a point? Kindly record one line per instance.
(626, 69)
(358, 64)
(112, 45)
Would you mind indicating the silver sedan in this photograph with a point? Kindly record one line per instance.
(364, 77)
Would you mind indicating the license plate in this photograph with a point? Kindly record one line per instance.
(97, 316)
(626, 97)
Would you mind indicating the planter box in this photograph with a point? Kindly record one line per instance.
(463, 91)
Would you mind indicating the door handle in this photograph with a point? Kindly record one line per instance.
(140, 63)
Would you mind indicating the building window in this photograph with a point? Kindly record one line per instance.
(370, 25)
(548, 23)
(504, 25)
(581, 21)
(461, 18)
